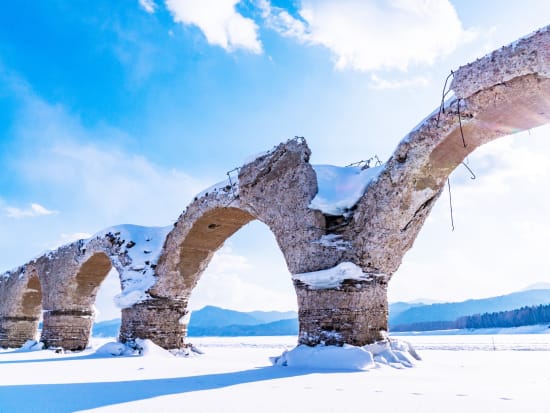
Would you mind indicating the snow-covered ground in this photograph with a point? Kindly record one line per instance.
(473, 373)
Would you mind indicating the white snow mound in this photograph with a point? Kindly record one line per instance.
(332, 277)
(149, 349)
(340, 188)
(141, 347)
(326, 358)
(114, 349)
(347, 357)
(143, 246)
(32, 345)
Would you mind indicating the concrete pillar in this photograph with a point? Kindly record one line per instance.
(69, 329)
(356, 313)
(161, 320)
(15, 331)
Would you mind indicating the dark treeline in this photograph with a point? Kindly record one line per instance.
(523, 316)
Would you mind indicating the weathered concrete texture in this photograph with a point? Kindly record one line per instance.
(63, 284)
(502, 93)
(525, 56)
(14, 331)
(505, 99)
(355, 313)
(20, 306)
(276, 189)
(160, 320)
(68, 329)
(71, 278)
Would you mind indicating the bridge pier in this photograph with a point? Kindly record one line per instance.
(15, 331)
(160, 319)
(356, 313)
(69, 329)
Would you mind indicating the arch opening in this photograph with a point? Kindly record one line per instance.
(206, 236)
(508, 202)
(90, 276)
(69, 323)
(107, 314)
(245, 287)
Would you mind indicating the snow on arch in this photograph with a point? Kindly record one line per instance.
(340, 188)
(140, 250)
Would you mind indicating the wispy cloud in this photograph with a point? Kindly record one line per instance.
(379, 83)
(367, 36)
(88, 175)
(148, 5)
(101, 180)
(34, 210)
(220, 22)
(282, 21)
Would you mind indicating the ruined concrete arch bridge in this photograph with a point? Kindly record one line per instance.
(341, 261)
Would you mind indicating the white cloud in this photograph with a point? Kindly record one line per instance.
(85, 172)
(34, 210)
(219, 21)
(366, 35)
(280, 20)
(148, 5)
(114, 186)
(379, 83)
(98, 184)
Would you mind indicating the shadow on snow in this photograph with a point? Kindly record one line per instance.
(68, 397)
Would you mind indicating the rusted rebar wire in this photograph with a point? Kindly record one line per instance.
(469, 170)
(231, 182)
(460, 122)
(367, 162)
(443, 94)
(356, 163)
(451, 204)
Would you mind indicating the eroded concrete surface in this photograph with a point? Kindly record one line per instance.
(503, 93)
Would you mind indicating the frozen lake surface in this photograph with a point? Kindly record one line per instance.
(458, 373)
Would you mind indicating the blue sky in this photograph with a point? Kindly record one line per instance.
(119, 112)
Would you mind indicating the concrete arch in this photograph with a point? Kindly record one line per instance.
(162, 316)
(21, 298)
(72, 275)
(205, 237)
(276, 189)
(69, 312)
(504, 92)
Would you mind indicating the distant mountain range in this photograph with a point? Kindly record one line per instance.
(215, 321)
(406, 313)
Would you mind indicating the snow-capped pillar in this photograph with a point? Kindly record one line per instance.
(341, 305)
(162, 320)
(356, 313)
